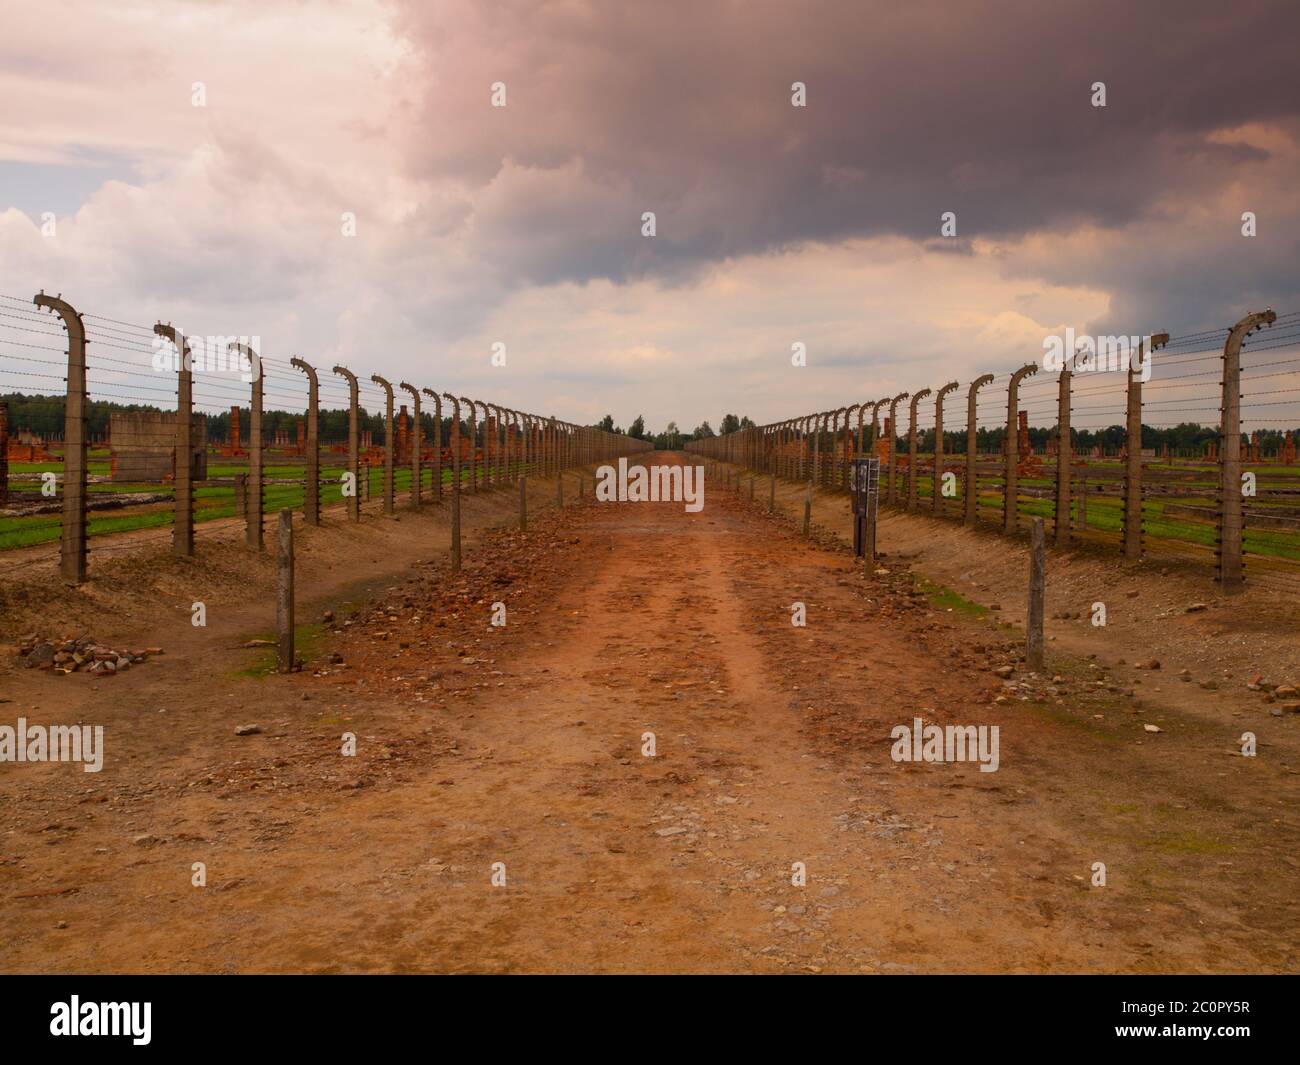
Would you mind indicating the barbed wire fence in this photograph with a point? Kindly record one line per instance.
(1182, 450)
(81, 498)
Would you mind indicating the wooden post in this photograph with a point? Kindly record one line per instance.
(284, 593)
(1037, 582)
(523, 502)
(72, 552)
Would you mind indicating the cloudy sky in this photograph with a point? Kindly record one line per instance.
(775, 224)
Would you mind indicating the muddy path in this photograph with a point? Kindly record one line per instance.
(519, 753)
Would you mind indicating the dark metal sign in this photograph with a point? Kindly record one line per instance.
(864, 488)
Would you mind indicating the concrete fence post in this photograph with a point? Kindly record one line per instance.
(473, 444)
(1064, 457)
(501, 440)
(455, 481)
(936, 495)
(417, 443)
(437, 442)
(284, 593)
(523, 503)
(1231, 507)
(912, 486)
(1010, 488)
(354, 429)
(253, 535)
(1037, 586)
(4, 451)
(389, 433)
(182, 482)
(1133, 451)
(893, 445)
(489, 443)
(971, 489)
(72, 540)
(311, 481)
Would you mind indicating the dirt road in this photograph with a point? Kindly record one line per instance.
(518, 754)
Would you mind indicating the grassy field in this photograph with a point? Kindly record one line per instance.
(211, 501)
(1197, 486)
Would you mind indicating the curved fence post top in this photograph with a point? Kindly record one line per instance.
(945, 390)
(168, 331)
(305, 367)
(917, 397)
(1027, 370)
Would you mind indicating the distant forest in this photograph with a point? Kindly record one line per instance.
(43, 415)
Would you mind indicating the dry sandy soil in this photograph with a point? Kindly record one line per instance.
(525, 745)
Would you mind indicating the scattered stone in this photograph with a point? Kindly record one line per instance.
(248, 730)
(1152, 728)
(1004, 671)
(1196, 608)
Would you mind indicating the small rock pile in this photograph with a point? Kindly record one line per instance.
(81, 654)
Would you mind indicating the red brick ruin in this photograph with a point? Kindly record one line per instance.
(232, 448)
